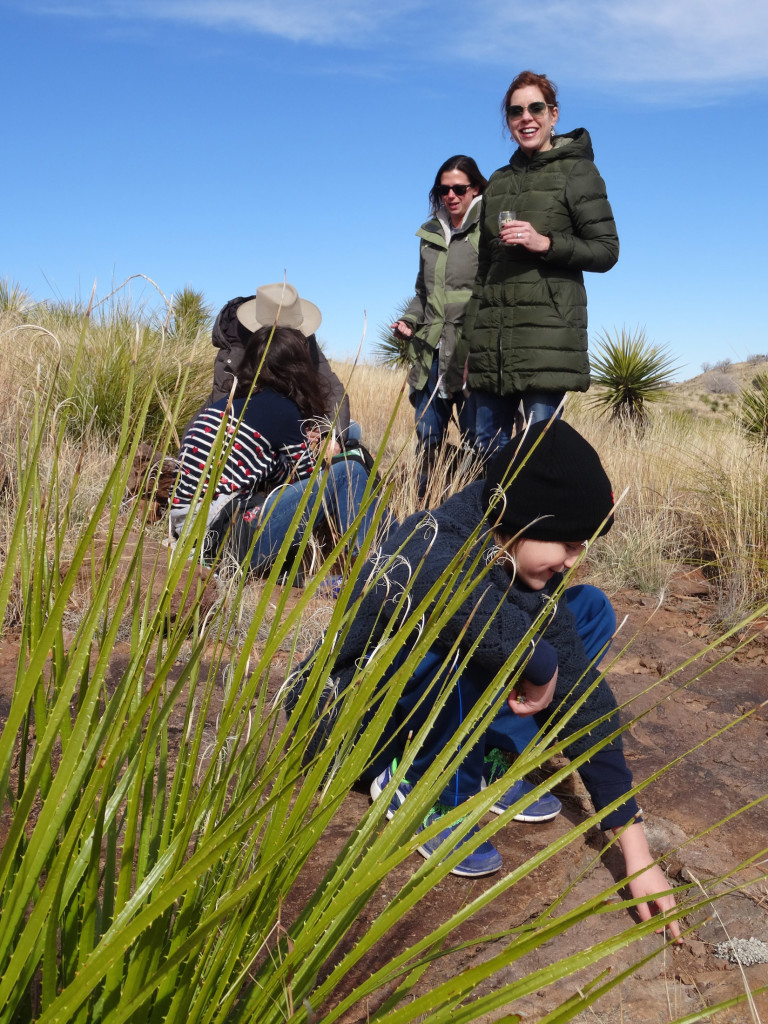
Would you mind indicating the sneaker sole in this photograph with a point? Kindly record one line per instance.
(531, 819)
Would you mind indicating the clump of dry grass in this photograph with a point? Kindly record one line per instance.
(698, 493)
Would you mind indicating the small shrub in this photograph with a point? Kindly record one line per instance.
(719, 383)
(723, 365)
(706, 367)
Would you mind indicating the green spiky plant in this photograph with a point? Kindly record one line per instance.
(141, 886)
(191, 316)
(753, 408)
(14, 299)
(391, 349)
(629, 373)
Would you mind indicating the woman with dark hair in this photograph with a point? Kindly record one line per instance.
(275, 303)
(268, 457)
(545, 220)
(432, 323)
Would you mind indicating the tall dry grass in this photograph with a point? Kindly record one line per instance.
(697, 490)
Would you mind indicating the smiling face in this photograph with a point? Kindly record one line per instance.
(538, 560)
(456, 206)
(533, 134)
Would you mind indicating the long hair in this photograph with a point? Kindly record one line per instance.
(278, 358)
(462, 163)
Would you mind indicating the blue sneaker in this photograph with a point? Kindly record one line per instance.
(331, 586)
(485, 860)
(381, 782)
(545, 808)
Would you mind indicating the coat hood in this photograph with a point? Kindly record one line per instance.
(571, 144)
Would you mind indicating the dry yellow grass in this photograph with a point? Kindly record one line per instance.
(697, 487)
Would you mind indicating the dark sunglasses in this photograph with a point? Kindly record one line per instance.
(459, 190)
(514, 110)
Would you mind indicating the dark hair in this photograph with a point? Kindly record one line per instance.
(548, 89)
(467, 166)
(279, 359)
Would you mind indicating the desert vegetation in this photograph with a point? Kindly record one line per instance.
(159, 817)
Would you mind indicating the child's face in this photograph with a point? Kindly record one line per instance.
(538, 560)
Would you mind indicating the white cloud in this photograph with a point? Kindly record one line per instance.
(702, 42)
(320, 22)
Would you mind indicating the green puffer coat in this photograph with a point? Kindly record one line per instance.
(526, 324)
(447, 271)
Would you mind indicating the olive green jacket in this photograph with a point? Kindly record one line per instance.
(447, 270)
(526, 324)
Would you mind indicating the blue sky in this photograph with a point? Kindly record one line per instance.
(219, 143)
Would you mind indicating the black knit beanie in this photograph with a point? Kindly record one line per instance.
(562, 480)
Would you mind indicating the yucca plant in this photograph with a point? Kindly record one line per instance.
(391, 349)
(13, 298)
(143, 884)
(190, 315)
(628, 373)
(753, 408)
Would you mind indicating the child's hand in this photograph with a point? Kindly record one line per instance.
(527, 699)
(634, 846)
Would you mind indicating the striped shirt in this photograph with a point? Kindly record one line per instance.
(268, 448)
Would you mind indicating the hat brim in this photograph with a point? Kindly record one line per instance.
(312, 317)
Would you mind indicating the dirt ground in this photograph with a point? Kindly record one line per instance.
(713, 781)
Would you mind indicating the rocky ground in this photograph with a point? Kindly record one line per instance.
(706, 787)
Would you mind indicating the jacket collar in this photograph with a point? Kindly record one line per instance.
(470, 217)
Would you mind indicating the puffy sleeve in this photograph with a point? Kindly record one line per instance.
(593, 245)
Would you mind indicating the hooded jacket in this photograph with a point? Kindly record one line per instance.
(526, 323)
(493, 618)
(447, 271)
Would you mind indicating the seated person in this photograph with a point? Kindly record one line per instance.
(268, 457)
(276, 303)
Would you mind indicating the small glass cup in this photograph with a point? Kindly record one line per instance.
(506, 217)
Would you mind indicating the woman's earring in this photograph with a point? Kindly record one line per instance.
(552, 133)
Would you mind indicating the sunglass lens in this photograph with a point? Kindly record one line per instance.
(514, 111)
(458, 190)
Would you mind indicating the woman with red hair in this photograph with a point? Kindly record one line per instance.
(545, 220)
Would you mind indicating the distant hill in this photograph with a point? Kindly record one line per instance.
(715, 391)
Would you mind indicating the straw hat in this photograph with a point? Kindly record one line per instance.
(279, 304)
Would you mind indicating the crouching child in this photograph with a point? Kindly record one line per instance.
(545, 496)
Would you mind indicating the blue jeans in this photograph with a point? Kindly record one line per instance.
(433, 413)
(495, 415)
(342, 498)
(595, 624)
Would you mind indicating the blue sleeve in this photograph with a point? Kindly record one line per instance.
(542, 663)
(607, 777)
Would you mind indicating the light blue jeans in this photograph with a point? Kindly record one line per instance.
(495, 415)
(341, 502)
